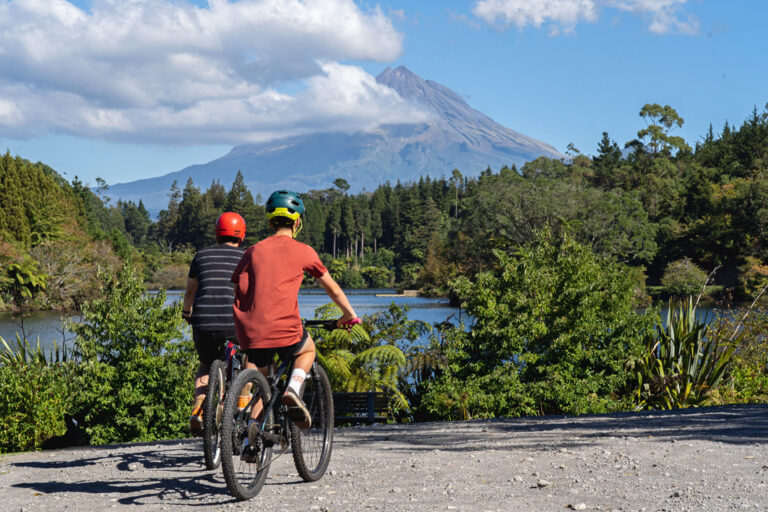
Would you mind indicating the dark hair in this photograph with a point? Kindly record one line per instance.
(228, 240)
(281, 222)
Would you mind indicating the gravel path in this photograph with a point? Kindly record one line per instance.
(698, 460)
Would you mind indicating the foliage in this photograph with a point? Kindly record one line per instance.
(352, 278)
(26, 280)
(136, 365)
(34, 390)
(753, 276)
(658, 203)
(746, 332)
(681, 366)
(683, 278)
(556, 317)
(357, 361)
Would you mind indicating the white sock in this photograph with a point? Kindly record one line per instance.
(297, 379)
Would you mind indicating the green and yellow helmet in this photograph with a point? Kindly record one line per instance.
(284, 203)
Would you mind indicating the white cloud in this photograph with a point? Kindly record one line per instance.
(564, 15)
(166, 71)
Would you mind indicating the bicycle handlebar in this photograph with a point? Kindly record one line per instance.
(330, 325)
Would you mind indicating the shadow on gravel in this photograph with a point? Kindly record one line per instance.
(186, 482)
(727, 424)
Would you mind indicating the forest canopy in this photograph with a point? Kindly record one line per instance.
(651, 203)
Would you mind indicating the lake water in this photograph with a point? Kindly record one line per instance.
(48, 326)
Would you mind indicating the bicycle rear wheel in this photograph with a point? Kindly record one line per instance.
(245, 470)
(214, 402)
(312, 447)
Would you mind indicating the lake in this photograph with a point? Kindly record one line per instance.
(47, 325)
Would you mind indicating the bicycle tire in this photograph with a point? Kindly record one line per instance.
(312, 447)
(244, 479)
(214, 401)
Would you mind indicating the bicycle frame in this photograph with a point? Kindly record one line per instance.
(230, 351)
(274, 379)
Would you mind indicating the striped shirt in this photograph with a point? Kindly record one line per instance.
(213, 267)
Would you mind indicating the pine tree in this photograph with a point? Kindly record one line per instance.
(240, 200)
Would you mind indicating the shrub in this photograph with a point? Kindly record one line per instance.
(135, 376)
(746, 380)
(554, 316)
(683, 278)
(33, 397)
(377, 277)
(352, 278)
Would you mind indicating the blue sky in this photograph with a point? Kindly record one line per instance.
(128, 90)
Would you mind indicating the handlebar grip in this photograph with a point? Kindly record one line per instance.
(350, 323)
(330, 325)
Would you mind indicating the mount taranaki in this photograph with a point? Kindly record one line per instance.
(457, 137)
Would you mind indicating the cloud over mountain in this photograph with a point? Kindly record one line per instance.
(454, 136)
(164, 71)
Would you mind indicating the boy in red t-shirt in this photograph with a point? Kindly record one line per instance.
(266, 306)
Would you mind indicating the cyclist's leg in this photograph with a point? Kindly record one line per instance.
(209, 346)
(304, 355)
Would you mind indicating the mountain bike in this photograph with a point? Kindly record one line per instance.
(221, 374)
(246, 465)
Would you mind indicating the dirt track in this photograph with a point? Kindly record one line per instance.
(697, 460)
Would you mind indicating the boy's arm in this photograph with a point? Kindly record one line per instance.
(337, 295)
(189, 297)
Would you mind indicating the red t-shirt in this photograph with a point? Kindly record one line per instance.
(267, 282)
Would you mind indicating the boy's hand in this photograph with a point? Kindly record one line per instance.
(347, 324)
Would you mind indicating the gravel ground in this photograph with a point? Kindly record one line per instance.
(710, 459)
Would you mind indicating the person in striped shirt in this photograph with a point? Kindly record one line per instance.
(208, 303)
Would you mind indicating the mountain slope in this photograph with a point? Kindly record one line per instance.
(458, 137)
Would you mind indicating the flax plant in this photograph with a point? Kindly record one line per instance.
(681, 366)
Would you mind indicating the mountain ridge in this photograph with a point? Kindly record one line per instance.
(457, 137)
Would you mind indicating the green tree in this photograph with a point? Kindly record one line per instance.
(240, 200)
(169, 218)
(661, 120)
(683, 278)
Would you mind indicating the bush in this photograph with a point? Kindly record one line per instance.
(377, 277)
(33, 399)
(747, 378)
(352, 278)
(683, 278)
(500, 393)
(136, 371)
(554, 316)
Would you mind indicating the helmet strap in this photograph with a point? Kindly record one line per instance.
(297, 227)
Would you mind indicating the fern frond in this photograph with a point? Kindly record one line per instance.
(381, 356)
(336, 365)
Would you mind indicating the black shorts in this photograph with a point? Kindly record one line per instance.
(262, 357)
(210, 344)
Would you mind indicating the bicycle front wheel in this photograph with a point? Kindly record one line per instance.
(312, 447)
(214, 402)
(245, 462)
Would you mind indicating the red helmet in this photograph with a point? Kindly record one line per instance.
(230, 224)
